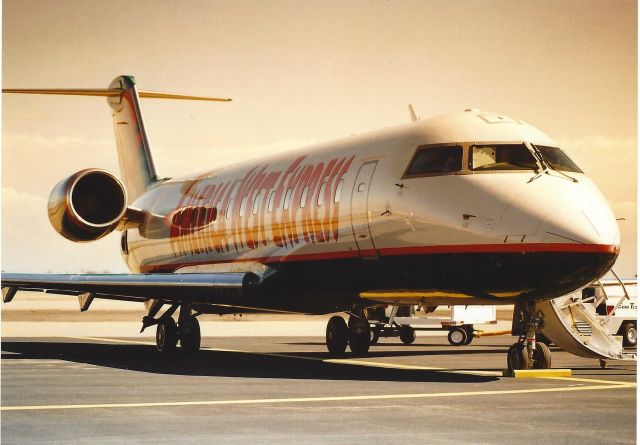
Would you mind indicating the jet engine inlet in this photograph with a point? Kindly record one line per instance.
(87, 205)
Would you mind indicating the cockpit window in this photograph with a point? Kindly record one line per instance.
(434, 160)
(501, 157)
(558, 159)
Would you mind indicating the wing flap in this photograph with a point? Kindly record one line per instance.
(197, 287)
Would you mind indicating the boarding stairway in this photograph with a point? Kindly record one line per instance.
(573, 325)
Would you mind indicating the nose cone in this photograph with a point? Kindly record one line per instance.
(582, 216)
(569, 231)
(572, 225)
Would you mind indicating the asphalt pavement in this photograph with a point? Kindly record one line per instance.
(263, 390)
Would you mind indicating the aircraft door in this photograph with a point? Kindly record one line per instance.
(360, 217)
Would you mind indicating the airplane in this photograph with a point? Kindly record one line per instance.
(470, 207)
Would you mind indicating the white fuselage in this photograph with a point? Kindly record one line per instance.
(283, 209)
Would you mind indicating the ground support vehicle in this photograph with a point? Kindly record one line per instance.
(401, 321)
(616, 305)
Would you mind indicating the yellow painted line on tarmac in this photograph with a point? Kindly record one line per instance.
(111, 340)
(293, 400)
(408, 367)
(139, 342)
(347, 361)
(585, 380)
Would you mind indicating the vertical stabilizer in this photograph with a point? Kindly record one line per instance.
(134, 154)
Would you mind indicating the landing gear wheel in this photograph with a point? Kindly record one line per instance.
(541, 356)
(375, 335)
(337, 335)
(629, 334)
(517, 357)
(407, 334)
(166, 335)
(603, 363)
(190, 335)
(457, 336)
(469, 329)
(359, 336)
(540, 337)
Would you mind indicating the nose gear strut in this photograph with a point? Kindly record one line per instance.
(527, 353)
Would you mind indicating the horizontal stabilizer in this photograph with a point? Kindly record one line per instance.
(111, 92)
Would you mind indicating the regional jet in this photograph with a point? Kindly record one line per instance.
(471, 207)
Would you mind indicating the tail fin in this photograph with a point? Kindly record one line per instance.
(134, 154)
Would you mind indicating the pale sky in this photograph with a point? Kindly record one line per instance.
(302, 72)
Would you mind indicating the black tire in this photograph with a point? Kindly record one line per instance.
(190, 335)
(359, 336)
(375, 335)
(407, 334)
(629, 334)
(166, 335)
(457, 336)
(541, 356)
(470, 330)
(517, 357)
(337, 335)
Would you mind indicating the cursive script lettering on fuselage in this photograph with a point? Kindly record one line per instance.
(281, 208)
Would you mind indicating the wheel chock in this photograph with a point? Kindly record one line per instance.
(536, 373)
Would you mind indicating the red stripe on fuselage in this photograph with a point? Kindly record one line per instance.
(398, 251)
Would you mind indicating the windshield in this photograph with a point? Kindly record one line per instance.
(436, 160)
(501, 157)
(558, 159)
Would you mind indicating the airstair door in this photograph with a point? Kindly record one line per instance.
(360, 215)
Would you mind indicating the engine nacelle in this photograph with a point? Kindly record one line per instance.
(87, 205)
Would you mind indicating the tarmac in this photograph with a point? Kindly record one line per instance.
(108, 385)
(276, 389)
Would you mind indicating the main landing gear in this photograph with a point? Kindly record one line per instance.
(168, 332)
(527, 353)
(356, 333)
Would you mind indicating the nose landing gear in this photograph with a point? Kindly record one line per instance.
(527, 353)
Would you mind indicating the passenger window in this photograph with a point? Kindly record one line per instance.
(243, 205)
(321, 192)
(434, 160)
(256, 202)
(303, 197)
(287, 199)
(272, 198)
(502, 157)
(336, 199)
(229, 208)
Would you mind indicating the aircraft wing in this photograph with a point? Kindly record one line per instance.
(223, 288)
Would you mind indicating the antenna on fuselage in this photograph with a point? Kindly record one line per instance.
(412, 114)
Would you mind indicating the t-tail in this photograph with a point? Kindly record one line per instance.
(134, 153)
(97, 189)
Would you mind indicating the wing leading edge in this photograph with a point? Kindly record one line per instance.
(222, 288)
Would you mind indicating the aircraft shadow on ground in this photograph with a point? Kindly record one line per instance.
(143, 358)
